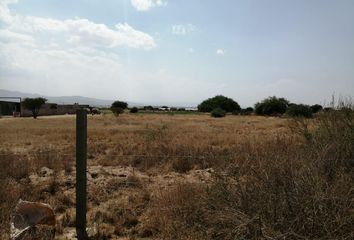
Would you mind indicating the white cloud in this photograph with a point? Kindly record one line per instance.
(66, 72)
(5, 14)
(182, 29)
(88, 72)
(77, 30)
(65, 57)
(146, 5)
(8, 36)
(220, 52)
(84, 31)
(77, 57)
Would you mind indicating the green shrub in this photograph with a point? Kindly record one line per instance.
(237, 112)
(218, 113)
(134, 110)
(328, 109)
(299, 110)
(119, 104)
(225, 103)
(118, 107)
(272, 106)
(117, 110)
(316, 108)
(247, 111)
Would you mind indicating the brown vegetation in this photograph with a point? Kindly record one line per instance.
(189, 176)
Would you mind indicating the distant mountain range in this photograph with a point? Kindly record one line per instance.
(82, 100)
(61, 99)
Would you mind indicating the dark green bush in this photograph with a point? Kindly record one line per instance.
(134, 110)
(225, 103)
(328, 109)
(218, 113)
(316, 108)
(118, 107)
(299, 110)
(246, 111)
(272, 106)
(117, 110)
(237, 112)
(119, 104)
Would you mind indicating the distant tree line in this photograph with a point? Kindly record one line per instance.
(219, 106)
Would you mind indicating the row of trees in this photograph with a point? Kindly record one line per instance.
(219, 105)
(35, 104)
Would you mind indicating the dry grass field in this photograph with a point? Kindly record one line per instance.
(154, 176)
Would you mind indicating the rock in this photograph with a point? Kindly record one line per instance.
(32, 219)
(46, 172)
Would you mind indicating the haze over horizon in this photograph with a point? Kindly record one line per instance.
(178, 51)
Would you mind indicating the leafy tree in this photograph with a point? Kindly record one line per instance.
(218, 113)
(120, 104)
(118, 107)
(134, 110)
(33, 104)
(299, 110)
(117, 111)
(316, 108)
(150, 108)
(219, 101)
(272, 106)
(247, 111)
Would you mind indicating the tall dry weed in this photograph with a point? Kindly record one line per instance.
(299, 187)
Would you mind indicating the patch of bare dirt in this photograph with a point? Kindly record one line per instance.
(117, 198)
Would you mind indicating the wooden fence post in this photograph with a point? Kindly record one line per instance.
(81, 168)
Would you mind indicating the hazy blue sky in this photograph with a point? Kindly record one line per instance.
(179, 50)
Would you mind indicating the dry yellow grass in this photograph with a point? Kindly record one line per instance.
(186, 176)
(141, 134)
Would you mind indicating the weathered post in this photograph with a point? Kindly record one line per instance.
(81, 166)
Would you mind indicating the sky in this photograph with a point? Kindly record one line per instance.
(179, 51)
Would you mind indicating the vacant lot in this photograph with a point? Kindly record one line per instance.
(187, 176)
